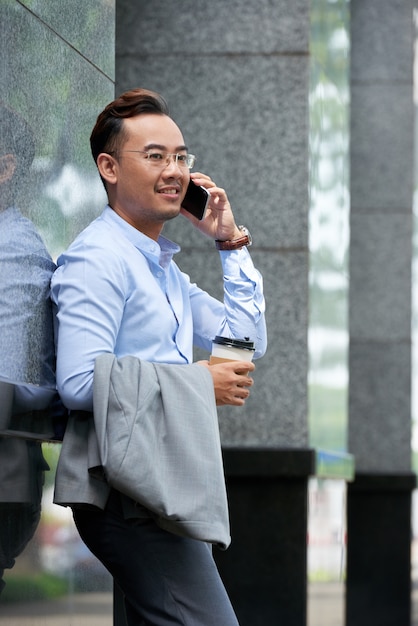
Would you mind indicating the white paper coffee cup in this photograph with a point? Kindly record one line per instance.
(227, 349)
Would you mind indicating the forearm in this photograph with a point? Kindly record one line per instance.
(244, 299)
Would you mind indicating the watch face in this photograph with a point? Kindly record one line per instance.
(245, 231)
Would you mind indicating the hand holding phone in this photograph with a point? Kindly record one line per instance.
(196, 200)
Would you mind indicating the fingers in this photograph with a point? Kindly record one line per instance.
(219, 222)
(208, 183)
(202, 179)
(234, 397)
(232, 382)
(244, 366)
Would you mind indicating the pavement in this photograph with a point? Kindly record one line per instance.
(325, 608)
(82, 609)
(326, 605)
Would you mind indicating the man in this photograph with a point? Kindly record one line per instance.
(26, 342)
(117, 290)
(27, 378)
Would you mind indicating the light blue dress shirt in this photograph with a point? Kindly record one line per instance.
(26, 345)
(118, 291)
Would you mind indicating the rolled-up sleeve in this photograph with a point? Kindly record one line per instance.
(244, 299)
(241, 314)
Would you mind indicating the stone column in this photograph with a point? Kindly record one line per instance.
(379, 500)
(236, 76)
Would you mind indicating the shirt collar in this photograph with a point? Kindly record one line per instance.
(164, 249)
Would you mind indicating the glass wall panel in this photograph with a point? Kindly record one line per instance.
(57, 73)
(329, 224)
(328, 324)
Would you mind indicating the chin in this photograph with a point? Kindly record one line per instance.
(172, 213)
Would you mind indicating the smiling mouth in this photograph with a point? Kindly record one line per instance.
(171, 191)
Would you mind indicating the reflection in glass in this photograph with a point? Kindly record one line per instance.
(328, 324)
(57, 71)
(329, 224)
(27, 384)
(22, 468)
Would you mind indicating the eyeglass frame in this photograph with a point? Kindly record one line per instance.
(165, 156)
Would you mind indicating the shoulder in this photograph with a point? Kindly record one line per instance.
(98, 240)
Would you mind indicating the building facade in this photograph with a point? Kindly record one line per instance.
(304, 112)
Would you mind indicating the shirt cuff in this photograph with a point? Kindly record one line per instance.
(235, 263)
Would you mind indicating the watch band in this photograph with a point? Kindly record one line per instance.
(235, 244)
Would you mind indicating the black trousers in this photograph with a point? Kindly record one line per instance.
(166, 579)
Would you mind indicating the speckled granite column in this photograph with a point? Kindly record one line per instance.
(378, 562)
(235, 76)
(236, 79)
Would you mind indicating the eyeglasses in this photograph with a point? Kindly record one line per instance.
(159, 158)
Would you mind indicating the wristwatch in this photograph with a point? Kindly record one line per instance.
(235, 244)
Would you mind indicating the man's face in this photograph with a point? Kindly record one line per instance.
(147, 193)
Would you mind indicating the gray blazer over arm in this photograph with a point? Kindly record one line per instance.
(157, 441)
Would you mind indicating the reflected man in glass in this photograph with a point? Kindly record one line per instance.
(27, 381)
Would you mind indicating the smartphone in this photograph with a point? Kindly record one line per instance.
(196, 200)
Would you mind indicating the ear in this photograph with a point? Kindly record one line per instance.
(108, 167)
(7, 167)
